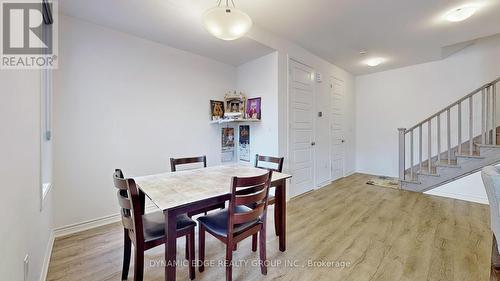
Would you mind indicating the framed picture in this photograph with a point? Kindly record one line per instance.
(227, 139)
(234, 106)
(244, 143)
(253, 109)
(217, 109)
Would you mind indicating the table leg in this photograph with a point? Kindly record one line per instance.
(280, 205)
(170, 245)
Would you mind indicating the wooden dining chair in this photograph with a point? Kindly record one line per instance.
(175, 162)
(146, 231)
(274, 164)
(238, 221)
(491, 180)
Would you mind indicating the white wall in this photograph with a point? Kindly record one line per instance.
(469, 188)
(24, 228)
(259, 78)
(125, 102)
(122, 102)
(402, 97)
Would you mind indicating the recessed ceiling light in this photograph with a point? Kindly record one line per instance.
(374, 61)
(461, 13)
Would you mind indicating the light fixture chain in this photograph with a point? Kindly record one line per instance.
(227, 3)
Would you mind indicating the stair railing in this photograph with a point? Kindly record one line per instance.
(488, 97)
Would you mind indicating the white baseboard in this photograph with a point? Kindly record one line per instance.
(71, 229)
(86, 225)
(75, 228)
(328, 182)
(350, 173)
(465, 197)
(323, 184)
(46, 258)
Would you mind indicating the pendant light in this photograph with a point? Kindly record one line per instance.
(226, 22)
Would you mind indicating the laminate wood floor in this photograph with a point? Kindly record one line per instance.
(345, 231)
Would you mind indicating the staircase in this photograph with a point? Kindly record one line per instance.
(455, 142)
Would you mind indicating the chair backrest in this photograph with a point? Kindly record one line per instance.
(278, 161)
(252, 192)
(129, 201)
(491, 181)
(190, 160)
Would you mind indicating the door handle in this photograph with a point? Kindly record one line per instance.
(343, 141)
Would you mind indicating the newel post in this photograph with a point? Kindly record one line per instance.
(402, 132)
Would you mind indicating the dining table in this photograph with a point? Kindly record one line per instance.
(187, 191)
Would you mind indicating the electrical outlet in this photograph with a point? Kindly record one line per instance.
(26, 266)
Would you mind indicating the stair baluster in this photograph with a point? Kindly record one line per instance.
(487, 136)
(448, 134)
(439, 138)
(411, 155)
(483, 127)
(494, 113)
(471, 125)
(488, 105)
(459, 113)
(420, 148)
(429, 146)
(402, 153)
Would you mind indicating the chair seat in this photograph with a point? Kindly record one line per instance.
(154, 224)
(216, 222)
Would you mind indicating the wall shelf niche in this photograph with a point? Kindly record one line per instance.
(222, 121)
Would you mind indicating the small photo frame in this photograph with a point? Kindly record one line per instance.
(217, 109)
(235, 105)
(253, 109)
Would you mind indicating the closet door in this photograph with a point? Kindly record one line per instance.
(301, 91)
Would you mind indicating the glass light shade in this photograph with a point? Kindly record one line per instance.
(460, 14)
(227, 23)
(374, 61)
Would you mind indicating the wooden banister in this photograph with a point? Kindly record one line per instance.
(487, 93)
(455, 103)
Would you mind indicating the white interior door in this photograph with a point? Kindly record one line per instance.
(337, 90)
(301, 89)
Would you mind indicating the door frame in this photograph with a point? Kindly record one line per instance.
(332, 79)
(291, 59)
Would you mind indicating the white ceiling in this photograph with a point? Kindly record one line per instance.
(406, 32)
(173, 23)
